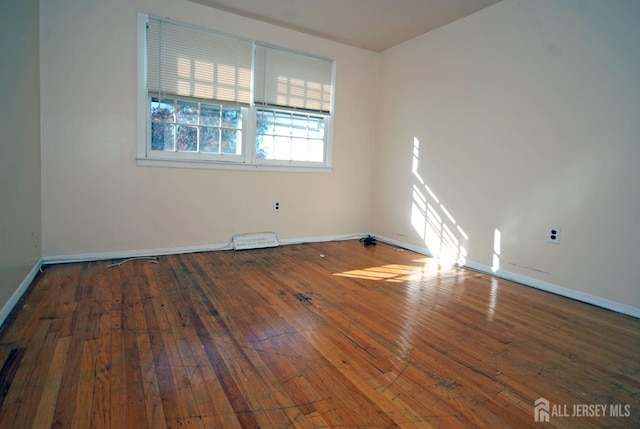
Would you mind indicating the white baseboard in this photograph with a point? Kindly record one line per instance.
(527, 281)
(125, 254)
(322, 239)
(17, 294)
(84, 257)
(534, 283)
(413, 248)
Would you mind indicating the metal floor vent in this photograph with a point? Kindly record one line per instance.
(255, 241)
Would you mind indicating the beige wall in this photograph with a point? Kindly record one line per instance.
(95, 197)
(20, 235)
(526, 115)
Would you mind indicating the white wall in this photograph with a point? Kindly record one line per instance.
(95, 197)
(20, 229)
(526, 116)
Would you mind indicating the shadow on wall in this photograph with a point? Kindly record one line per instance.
(445, 239)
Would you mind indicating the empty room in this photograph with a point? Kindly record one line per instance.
(319, 213)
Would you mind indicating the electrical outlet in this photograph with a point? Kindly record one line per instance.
(277, 206)
(553, 236)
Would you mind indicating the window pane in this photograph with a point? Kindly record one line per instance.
(264, 147)
(264, 122)
(316, 150)
(210, 115)
(163, 110)
(187, 139)
(283, 124)
(210, 140)
(282, 148)
(187, 112)
(316, 128)
(300, 124)
(162, 137)
(299, 130)
(299, 149)
(231, 141)
(231, 117)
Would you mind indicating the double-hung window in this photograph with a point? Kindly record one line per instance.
(218, 101)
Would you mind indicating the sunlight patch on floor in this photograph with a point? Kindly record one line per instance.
(397, 272)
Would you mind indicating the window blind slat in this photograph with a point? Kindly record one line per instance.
(287, 79)
(199, 63)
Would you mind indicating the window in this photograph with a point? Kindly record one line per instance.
(211, 100)
(184, 126)
(283, 135)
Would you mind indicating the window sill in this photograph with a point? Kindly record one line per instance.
(213, 165)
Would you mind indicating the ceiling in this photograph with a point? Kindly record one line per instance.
(370, 24)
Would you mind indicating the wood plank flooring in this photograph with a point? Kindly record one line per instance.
(308, 336)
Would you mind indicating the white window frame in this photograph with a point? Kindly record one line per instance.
(247, 160)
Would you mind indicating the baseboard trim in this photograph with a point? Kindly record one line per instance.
(531, 282)
(125, 254)
(86, 257)
(17, 294)
(527, 281)
(413, 248)
(322, 239)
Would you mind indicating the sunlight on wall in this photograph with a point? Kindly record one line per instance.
(444, 238)
(497, 237)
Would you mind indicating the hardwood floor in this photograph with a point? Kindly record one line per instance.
(315, 335)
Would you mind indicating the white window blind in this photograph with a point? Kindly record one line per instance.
(288, 79)
(193, 62)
